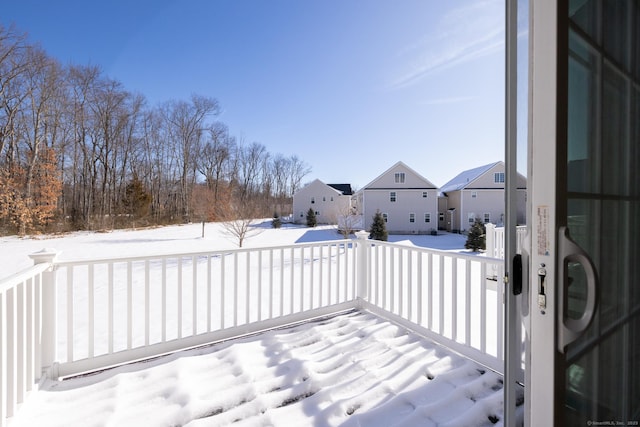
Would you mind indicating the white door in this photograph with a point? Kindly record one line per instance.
(584, 157)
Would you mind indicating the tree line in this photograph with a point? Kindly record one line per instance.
(79, 151)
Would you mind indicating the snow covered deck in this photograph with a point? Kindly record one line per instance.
(354, 369)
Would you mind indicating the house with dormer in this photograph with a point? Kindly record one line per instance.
(478, 193)
(328, 201)
(407, 200)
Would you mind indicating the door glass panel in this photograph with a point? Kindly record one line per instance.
(602, 367)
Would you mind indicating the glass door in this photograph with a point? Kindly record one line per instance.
(585, 369)
(602, 366)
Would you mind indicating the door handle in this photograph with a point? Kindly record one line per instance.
(570, 329)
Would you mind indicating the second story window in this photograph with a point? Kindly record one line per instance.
(399, 177)
(412, 217)
(424, 194)
(392, 196)
(498, 177)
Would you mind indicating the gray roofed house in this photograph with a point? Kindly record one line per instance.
(478, 193)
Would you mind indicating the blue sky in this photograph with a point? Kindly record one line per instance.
(349, 86)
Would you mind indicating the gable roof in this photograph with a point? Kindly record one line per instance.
(464, 179)
(428, 184)
(345, 189)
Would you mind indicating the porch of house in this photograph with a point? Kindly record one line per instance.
(331, 333)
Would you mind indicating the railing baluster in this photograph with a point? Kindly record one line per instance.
(179, 261)
(311, 278)
(209, 295)
(259, 304)
(454, 299)
(430, 290)
(111, 308)
(271, 266)
(291, 284)
(70, 335)
(222, 288)
(467, 303)
(483, 308)
(147, 303)
(320, 275)
(4, 368)
(281, 281)
(235, 289)
(329, 276)
(247, 307)
(22, 345)
(129, 305)
(163, 309)
(91, 310)
(194, 295)
(302, 271)
(441, 295)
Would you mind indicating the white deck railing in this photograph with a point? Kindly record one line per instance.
(64, 318)
(495, 240)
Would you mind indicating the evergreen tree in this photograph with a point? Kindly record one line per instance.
(476, 239)
(378, 228)
(276, 222)
(312, 221)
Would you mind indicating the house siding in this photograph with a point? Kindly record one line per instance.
(489, 199)
(326, 201)
(409, 187)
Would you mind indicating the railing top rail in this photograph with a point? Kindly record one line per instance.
(479, 258)
(9, 282)
(216, 252)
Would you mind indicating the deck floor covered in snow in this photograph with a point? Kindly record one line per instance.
(354, 369)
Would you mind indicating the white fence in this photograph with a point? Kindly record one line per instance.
(65, 318)
(495, 240)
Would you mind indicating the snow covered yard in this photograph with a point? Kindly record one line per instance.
(351, 370)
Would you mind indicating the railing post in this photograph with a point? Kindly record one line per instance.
(490, 239)
(48, 336)
(363, 264)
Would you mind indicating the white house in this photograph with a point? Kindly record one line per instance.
(408, 201)
(328, 201)
(478, 194)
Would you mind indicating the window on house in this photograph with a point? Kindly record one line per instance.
(399, 177)
(324, 199)
(472, 218)
(313, 200)
(424, 194)
(441, 216)
(412, 217)
(427, 217)
(498, 177)
(474, 194)
(385, 217)
(487, 218)
(332, 198)
(392, 196)
(301, 214)
(317, 213)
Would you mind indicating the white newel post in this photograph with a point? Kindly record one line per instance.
(48, 337)
(490, 239)
(363, 264)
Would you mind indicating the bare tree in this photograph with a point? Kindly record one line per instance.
(240, 220)
(186, 125)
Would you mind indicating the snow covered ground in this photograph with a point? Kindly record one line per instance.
(350, 370)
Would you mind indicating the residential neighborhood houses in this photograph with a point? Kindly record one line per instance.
(410, 203)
